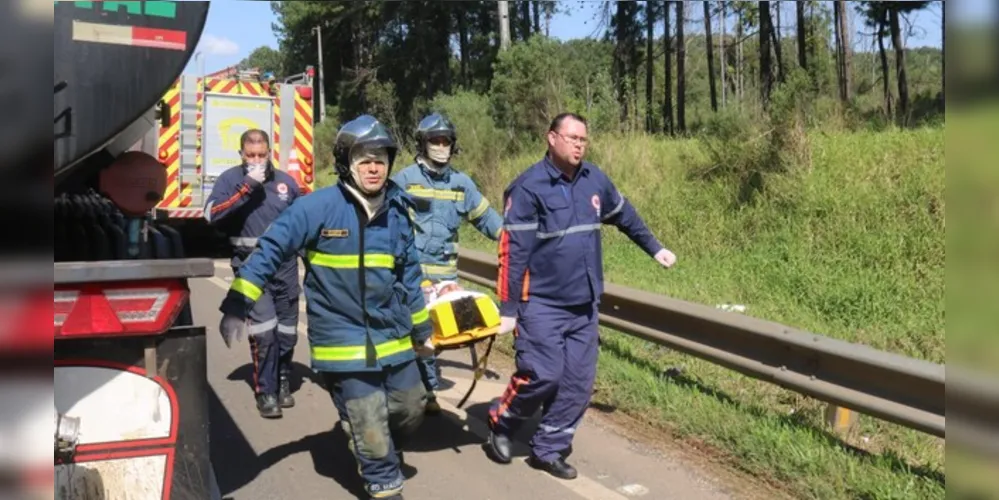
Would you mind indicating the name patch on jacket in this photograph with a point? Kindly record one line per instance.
(334, 233)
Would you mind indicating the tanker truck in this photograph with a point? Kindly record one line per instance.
(130, 382)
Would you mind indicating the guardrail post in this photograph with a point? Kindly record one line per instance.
(840, 419)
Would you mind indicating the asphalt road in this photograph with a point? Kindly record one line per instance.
(302, 456)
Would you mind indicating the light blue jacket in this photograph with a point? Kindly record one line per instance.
(441, 201)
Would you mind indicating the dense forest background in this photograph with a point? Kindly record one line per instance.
(395, 59)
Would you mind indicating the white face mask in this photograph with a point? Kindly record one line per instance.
(439, 154)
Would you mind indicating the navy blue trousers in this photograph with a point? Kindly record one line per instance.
(556, 357)
(378, 412)
(273, 331)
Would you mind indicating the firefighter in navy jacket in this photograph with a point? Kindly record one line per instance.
(244, 201)
(549, 286)
(367, 317)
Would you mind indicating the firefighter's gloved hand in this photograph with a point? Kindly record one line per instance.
(666, 258)
(232, 327)
(507, 325)
(425, 349)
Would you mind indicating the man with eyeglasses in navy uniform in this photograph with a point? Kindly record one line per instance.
(549, 286)
(245, 200)
(368, 321)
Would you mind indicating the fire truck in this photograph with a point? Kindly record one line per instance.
(207, 116)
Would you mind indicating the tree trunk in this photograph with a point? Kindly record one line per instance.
(723, 54)
(885, 72)
(681, 77)
(537, 16)
(709, 44)
(634, 61)
(463, 46)
(739, 67)
(775, 40)
(838, 51)
(650, 19)
(525, 19)
(903, 82)
(766, 71)
(668, 72)
(444, 46)
(778, 34)
(620, 60)
(844, 31)
(799, 8)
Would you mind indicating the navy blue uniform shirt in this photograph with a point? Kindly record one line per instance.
(243, 209)
(550, 248)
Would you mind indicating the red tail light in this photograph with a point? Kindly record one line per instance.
(116, 309)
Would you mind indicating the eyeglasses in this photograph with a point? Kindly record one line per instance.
(572, 139)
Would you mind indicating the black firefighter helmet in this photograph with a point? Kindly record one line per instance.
(432, 126)
(361, 133)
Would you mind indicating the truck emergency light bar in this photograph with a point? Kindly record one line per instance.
(118, 308)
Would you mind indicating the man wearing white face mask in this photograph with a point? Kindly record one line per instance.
(443, 197)
(245, 200)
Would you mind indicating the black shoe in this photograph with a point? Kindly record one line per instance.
(557, 467)
(498, 448)
(284, 393)
(433, 407)
(267, 405)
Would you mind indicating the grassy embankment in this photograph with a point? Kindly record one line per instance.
(852, 249)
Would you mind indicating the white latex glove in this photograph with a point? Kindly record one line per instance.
(257, 172)
(426, 349)
(507, 325)
(232, 327)
(666, 258)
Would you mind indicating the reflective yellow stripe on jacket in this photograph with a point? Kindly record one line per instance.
(378, 260)
(421, 316)
(357, 353)
(480, 210)
(437, 194)
(251, 291)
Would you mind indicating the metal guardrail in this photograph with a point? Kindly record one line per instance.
(906, 391)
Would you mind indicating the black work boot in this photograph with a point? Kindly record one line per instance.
(498, 448)
(267, 405)
(285, 398)
(558, 467)
(433, 407)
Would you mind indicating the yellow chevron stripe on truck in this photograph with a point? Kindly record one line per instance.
(303, 137)
(169, 148)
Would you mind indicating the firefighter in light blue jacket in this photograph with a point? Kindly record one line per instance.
(443, 197)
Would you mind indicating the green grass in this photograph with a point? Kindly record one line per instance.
(852, 248)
